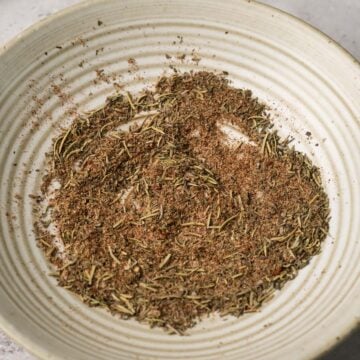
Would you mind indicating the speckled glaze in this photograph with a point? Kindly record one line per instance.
(310, 82)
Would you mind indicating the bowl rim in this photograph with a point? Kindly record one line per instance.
(6, 326)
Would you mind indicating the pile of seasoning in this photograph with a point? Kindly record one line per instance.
(172, 219)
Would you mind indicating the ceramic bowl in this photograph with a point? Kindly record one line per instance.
(312, 86)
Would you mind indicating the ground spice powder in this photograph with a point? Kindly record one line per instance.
(171, 219)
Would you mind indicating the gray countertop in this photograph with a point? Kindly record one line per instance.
(340, 19)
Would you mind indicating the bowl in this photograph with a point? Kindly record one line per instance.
(72, 61)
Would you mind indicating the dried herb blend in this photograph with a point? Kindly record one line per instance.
(171, 219)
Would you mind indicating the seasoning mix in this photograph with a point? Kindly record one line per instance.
(173, 219)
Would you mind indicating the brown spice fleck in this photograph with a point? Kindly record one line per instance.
(133, 65)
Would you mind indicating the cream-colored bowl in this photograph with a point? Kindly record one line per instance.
(311, 84)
